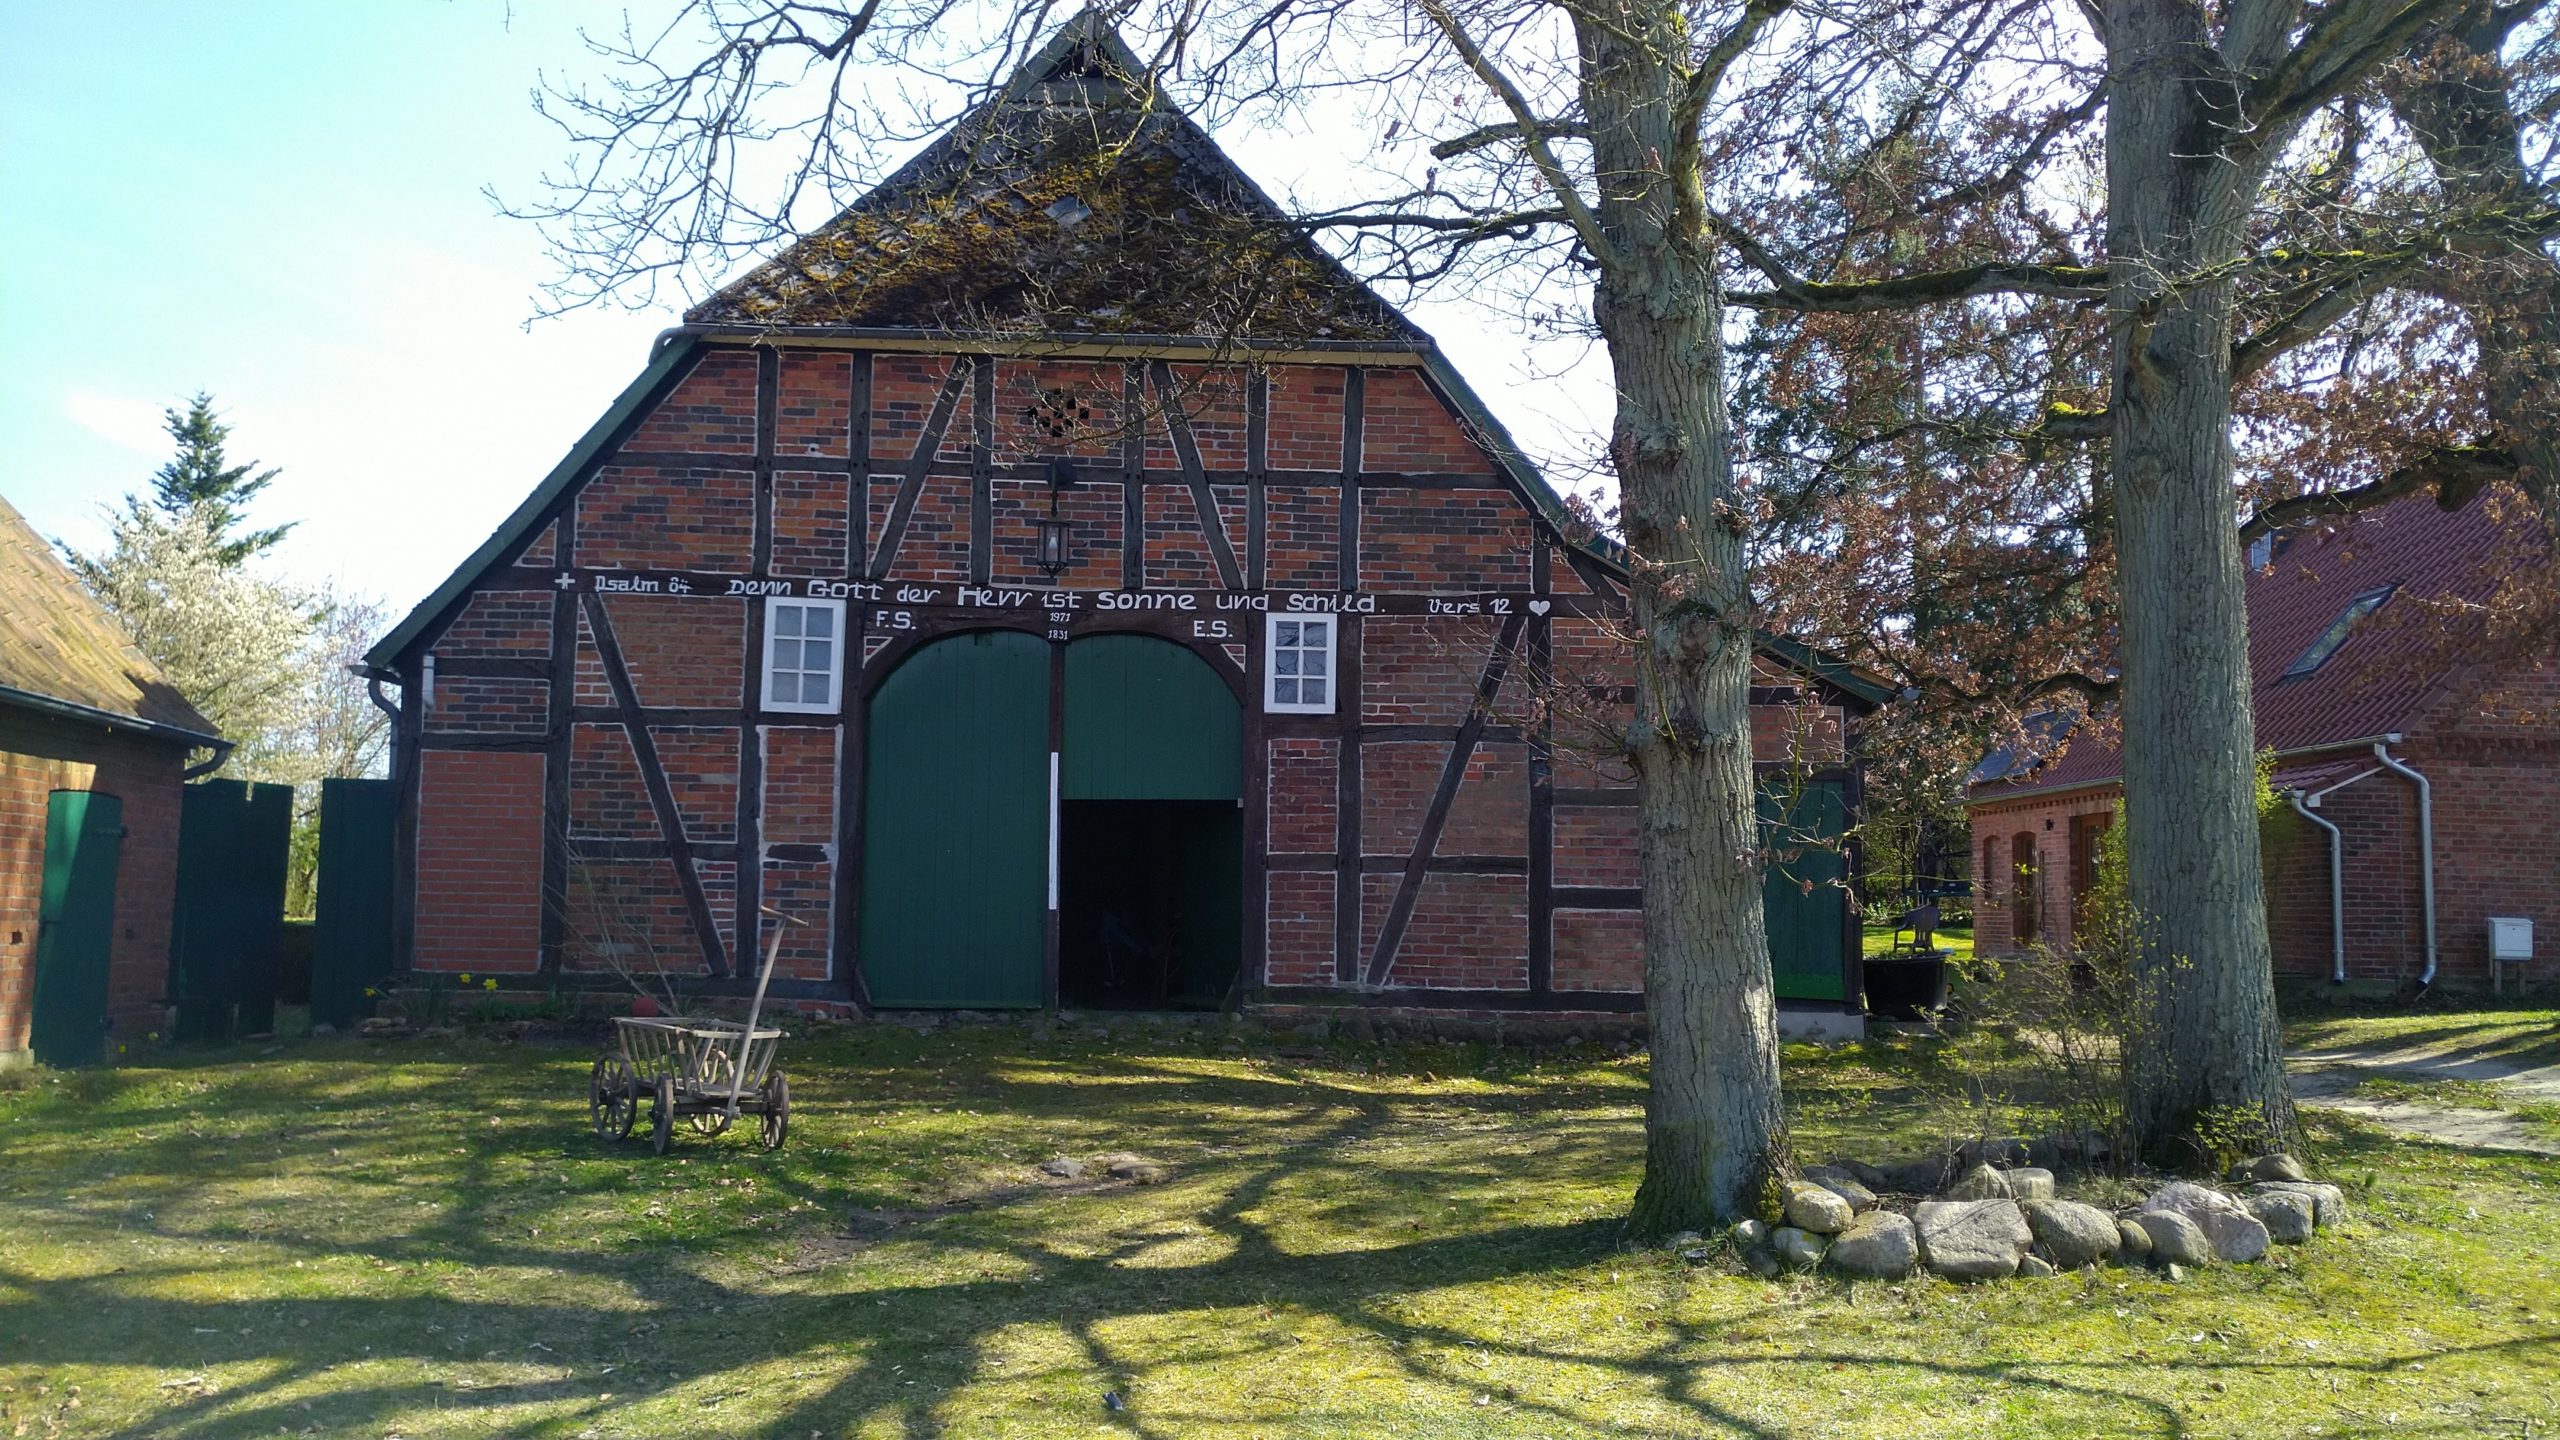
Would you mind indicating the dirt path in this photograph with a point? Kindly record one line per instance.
(2328, 1077)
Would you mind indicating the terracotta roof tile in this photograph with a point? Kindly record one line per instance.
(2392, 667)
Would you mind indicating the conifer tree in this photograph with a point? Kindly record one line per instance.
(200, 479)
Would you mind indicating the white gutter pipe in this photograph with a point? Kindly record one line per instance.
(2426, 846)
(2337, 891)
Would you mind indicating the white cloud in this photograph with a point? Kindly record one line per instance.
(120, 420)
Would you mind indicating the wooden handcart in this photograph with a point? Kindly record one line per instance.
(705, 1072)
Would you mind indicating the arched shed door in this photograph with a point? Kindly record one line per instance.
(956, 826)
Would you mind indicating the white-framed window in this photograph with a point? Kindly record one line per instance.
(1297, 671)
(803, 654)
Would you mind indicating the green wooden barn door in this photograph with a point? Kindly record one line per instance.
(1805, 924)
(75, 927)
(1149, 720)
(351, 949)
(956, 826)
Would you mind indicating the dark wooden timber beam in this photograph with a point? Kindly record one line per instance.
(653, 777)
(1453, 773)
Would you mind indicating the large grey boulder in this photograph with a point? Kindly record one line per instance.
(1812, 1208)
(1880, 1246)
(2072, 1234)
(2328, 1202)
(1799, 1248)
(1748, 1234)
(2175, 1240)
(1980, 1183)
(1847, 1186)
(2268, 1167)
(2287, 1216)
(1972, 1239)
(2237, 1236)
(2029, 1182)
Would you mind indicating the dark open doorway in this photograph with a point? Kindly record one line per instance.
(1150, 903)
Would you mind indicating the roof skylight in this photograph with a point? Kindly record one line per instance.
(2317, 653)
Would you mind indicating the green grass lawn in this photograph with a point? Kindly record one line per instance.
(1958, 943)
(420, 1238)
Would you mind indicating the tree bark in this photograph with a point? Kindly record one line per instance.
(1715, 1131)
(2205, 1039)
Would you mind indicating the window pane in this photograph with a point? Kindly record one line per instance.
(781, 688)
(786, 654)
(786, 619)
(1284, 692)
(1319, 632)
(1285, 662)
(817, 655)
(822, 622)
(813, 689)
(1315, 662)
(1285, 633)
(1313, 694)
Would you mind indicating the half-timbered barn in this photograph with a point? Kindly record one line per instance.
(1057, 581)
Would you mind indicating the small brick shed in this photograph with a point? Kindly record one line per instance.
(94, 748)
(1056, 581)
(2359, 637)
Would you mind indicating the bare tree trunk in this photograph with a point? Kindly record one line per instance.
(1715, 1131)
(2206, 1038)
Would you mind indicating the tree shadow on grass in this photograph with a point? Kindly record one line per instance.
(1289, 1181)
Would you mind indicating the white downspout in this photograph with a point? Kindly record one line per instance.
(2426, 846)
(2337, 891)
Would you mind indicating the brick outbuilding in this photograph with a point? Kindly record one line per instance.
(1057, 581)
(94, 750)
(2392, 714)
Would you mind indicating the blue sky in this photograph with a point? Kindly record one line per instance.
(281, 202)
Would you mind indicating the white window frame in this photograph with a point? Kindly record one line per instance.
(773, 607)
(1271, 650)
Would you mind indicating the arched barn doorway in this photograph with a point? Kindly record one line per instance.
(955, 826)
(1151, 852)
(959, 879)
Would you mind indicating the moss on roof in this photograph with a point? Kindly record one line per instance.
(58, 644)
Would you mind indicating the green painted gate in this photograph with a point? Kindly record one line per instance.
(75, 927)
(1148, 720)
(351, 943)
(1805, 924)
(229, 938)
(955, 826)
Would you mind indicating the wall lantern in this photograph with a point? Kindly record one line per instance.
(1057, 535)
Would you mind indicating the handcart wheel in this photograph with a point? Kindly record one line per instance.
(613, 1103)
(777, 1111)
(663, 1121)
(709, 1122)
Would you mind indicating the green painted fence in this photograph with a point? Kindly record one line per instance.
(229, 935)
(351, 943)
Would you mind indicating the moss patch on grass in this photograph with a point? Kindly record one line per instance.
(422, 1238)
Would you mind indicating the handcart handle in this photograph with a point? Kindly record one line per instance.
(764, 976)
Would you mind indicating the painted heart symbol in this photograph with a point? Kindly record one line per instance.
(1538, 607)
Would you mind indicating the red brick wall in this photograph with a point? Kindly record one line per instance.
(2047, 819)
(479, 862)
(40, 754)
(683, 497)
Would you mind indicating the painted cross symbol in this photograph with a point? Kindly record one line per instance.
(566, 581)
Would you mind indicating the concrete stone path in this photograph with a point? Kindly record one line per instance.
(2327, 1078)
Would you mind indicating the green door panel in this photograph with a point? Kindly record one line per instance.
(228, 940)
(1148, 720)
(1805, 924)
(955, 855)
(75, 927)
(351, 946)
